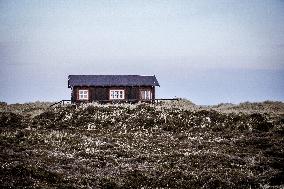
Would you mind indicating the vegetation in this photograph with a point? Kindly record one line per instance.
(141, 146)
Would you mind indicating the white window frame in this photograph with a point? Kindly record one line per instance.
(146, 94)
(83, 94)
(116, 94)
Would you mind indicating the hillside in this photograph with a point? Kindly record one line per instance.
(170, 145)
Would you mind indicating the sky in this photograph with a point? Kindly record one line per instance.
(206, 51)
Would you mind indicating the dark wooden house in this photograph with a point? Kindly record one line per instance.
(112, 88)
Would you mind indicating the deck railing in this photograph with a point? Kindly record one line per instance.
(157, 100)
(61, 102)
(166, 99)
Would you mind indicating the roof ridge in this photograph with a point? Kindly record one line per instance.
(109, 75)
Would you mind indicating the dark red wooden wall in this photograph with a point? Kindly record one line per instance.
(101, 94)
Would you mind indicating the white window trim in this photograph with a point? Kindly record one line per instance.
(116, 94)
(83, 94)
(146, 94)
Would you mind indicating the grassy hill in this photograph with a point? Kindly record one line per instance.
(170, 145)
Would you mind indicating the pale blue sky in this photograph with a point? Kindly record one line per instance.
(206, 51)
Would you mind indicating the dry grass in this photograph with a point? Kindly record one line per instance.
(141, 146)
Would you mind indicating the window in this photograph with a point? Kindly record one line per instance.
(146, 94)
(83, 94)
(116, 94)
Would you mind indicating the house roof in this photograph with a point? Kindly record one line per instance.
(111, 80)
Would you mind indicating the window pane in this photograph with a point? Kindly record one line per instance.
(146, 94)
(116, 94)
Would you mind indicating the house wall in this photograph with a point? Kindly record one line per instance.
(101, 94)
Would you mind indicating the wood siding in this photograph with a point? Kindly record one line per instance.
(101, 94)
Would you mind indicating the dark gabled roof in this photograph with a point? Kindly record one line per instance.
(111, 80)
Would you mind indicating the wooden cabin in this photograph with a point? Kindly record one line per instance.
(112, 88)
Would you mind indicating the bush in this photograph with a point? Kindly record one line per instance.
(11, 120)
